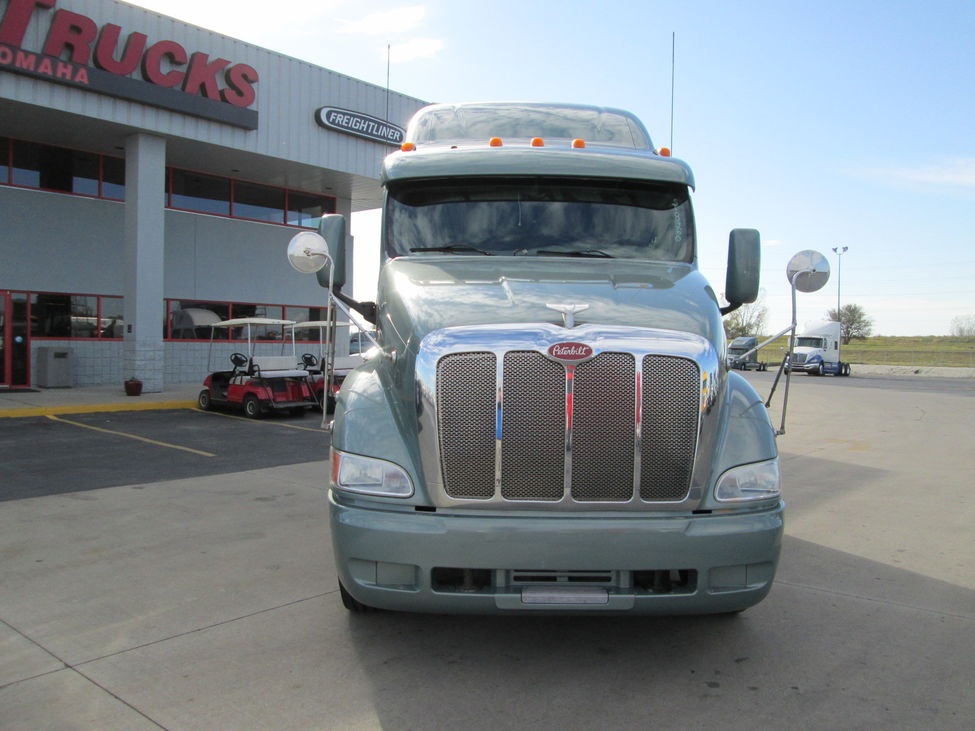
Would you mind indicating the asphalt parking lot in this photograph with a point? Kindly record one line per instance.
(53, 454)
(150, 595)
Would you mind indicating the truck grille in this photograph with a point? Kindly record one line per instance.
(604, 430)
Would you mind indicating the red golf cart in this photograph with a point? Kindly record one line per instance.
(258, 384)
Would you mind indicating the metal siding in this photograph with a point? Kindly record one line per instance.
(215, 258)
(206, 257)
(85, 237)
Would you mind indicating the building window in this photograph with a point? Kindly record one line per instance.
(305, 314)
(63, 316)
(113, 178)
(54, 168)
(85, 173)
(305, 210)
(199, 192)
(193, 319)
(33, 165)
(240, 199)
(4, 160)
(258, 202)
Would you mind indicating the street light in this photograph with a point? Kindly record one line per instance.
(839, 251)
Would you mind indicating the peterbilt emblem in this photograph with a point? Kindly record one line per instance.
(571, 352)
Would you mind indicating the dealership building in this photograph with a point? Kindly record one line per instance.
(151, 175)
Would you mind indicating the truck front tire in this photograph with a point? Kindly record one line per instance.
(353, 604)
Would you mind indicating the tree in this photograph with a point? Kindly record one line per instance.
(854, 323)
(963, 326)
(748, 319)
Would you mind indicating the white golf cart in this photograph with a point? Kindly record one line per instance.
(324, 390)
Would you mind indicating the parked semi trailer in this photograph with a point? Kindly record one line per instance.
(743, 354)
(817, 351)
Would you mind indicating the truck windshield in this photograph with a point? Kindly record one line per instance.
(808, 342)
(523, 121)
(540, 217)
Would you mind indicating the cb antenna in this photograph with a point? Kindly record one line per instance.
(673, 58)
(387, 80)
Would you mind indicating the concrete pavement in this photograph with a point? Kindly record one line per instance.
(212, 603)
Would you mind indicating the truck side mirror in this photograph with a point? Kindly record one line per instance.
(332, 229)
(744, 267)
(312, 253)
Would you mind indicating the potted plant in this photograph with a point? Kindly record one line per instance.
(133, 387)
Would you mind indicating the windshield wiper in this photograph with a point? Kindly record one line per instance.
(589, 253)
(452, 249)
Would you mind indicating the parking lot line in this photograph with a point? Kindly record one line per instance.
(285, 424)
(53, 417)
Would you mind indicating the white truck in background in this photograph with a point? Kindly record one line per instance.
(817, 350)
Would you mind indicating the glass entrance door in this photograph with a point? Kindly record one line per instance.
(14, 340)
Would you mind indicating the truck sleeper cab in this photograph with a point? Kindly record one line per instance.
(549, 423)
(817, 351)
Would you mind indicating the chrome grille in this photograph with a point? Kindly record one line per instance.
(670, 406)
(533, 426)
(631, 433)
(604, 428)
(466, 403)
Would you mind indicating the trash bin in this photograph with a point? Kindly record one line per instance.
(55, 367)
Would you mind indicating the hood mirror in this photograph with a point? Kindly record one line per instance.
(807, 271)
(308, 252)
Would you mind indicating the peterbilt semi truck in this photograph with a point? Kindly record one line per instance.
(817, 350)
(547, 423)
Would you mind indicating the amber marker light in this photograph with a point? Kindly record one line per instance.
(664, 152)
(495, 142)
(407, 147)
(537, 142)
(335, 467)
(578, 144)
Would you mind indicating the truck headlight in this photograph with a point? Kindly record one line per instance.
(369, 476)
(757, 481)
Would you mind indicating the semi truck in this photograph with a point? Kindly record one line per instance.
(547, 422)
(817, 350)
(743, 354)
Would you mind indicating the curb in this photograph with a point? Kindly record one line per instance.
(93, 408)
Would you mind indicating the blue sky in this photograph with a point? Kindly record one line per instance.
(822, 124)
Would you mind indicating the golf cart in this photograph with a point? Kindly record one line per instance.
(258, 384)
(325, 391)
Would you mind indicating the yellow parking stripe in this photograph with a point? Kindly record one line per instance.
(21, 411)
(52, 417)
(286, 425)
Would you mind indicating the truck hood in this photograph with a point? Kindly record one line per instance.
(418, 295)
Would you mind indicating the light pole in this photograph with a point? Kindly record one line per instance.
(839, 251)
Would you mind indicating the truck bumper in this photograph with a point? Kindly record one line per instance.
(491, 564)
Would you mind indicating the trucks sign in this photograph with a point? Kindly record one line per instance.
(78, 53)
